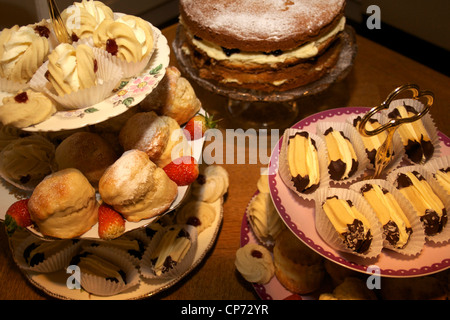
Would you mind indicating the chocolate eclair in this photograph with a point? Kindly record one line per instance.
(342, 159)
(429, 207)
(171, 249)
(415, 138)
(443, 177)
(93, 264)
(303, 162)
(37, 251)
(396, 226)
(371, 143)
(352, 226)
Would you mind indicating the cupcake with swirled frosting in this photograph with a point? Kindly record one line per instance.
(82, 18)
(129, 40)
(22, 51)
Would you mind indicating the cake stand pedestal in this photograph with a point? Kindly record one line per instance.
(268, 110)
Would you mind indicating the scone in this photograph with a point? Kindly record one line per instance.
(160, 137)
(136, 187)
(64, 205)
(297, 267)
(22, 51)
(173, 97)
(87, 152)
(82, 18)
(26, 108)
(71, 69)
(128, 38)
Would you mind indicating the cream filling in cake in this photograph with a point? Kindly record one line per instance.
(67, 61)
(306, 51)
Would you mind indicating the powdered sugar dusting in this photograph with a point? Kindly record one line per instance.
(265, 19)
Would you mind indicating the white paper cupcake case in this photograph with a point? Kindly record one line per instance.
(399, 151)
(444, 235)
(329, 234)
(436, 164)
(11, 86)
(146, 267)
(417, 239)
(58, 261)
(427, 121)
(283, 168)
(352, 134)
(103, 287)
(108, 77)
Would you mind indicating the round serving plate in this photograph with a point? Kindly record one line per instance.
(54, 284)
(129, 93)
(298, 215)
(10, 194)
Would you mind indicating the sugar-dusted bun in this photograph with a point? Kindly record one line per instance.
(173, 97)
(64, 205)
(155, 135)
(136, 187)
(297, 267)
(87, 152)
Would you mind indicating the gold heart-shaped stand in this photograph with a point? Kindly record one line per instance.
(58, 25)
(384, 154)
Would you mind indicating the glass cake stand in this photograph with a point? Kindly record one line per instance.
(274, 110)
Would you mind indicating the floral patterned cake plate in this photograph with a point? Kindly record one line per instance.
(298, 215)
(129, 93)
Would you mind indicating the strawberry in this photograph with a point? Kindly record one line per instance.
(183, 171)
(197, 126)
(111, 224)
(17, 216)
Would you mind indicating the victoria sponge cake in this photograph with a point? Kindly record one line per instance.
(265, 45)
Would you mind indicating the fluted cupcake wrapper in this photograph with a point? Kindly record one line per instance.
(109, 76)
(444, 235)
(352, 134)
(329, 234)
(283, 168)
(57, 261)
(417, 238)
(102, 287)
(436, 164)
(146, 267)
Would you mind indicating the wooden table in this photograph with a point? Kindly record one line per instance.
(376, 72)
